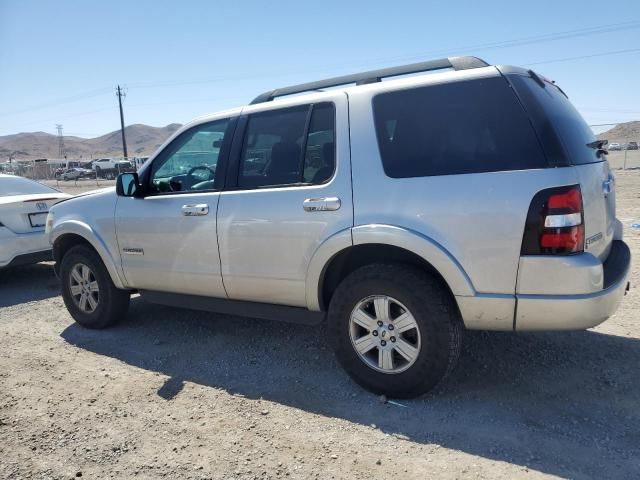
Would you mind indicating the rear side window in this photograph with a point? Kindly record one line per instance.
(320, 151)
(292, 146)
(455, 128)
(563, 131)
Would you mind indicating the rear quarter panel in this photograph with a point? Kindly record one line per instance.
(477, 218)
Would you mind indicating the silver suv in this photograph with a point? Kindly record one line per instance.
(398, 212)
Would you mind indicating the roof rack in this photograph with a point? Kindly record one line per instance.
(373, 76)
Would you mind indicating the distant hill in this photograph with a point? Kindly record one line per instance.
(142, 141)
(622, 133)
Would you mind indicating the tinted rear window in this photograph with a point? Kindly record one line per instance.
(563, 131)
(463, 127)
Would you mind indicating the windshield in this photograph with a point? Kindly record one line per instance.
(11, 186)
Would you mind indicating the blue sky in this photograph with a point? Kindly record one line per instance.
(61, 60)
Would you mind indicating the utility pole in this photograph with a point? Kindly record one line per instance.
(121, 94)
(61, 149)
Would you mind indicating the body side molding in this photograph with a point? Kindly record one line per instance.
(265, 311)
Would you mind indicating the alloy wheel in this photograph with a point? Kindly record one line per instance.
(84, 288)
(384, 334)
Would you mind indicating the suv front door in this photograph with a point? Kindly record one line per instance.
(168, 239)
(289, 189)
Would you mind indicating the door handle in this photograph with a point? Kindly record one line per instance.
(195, 210)
(324, 204)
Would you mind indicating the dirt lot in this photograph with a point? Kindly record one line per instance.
(180, 394)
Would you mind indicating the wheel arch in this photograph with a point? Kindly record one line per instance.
(380, 243)
(67, 235)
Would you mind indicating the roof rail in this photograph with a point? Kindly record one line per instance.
(372, 76)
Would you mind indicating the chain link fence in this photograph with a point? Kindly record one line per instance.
(624, 154)
(71, 171)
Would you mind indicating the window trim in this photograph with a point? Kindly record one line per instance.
(170, 149)
(232, 178)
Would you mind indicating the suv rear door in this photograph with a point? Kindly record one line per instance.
(289, 189)
(565, 137)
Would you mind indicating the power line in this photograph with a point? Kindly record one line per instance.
(503, 44)
(603, 54)
(614, 123)
(64, 116)
(609, 110)
(586, 31)
(70, 99)
(581, 32)
(615, 27)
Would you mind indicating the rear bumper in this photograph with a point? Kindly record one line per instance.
(580, 311)
(15, 248)
(30, 259)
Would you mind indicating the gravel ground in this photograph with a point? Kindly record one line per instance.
(181, 394)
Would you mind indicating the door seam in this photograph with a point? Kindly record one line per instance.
(224, 287)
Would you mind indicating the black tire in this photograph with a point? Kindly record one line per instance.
(112, 303)
(435, 313)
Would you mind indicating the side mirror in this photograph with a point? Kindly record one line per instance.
(128, 185)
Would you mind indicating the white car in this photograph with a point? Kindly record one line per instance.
(110, 168)
(24, 205)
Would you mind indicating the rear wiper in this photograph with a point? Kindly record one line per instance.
(598, 146)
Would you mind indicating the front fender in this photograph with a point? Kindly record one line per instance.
(76, 227)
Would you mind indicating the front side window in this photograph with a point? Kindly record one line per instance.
(190, 162)
(289, 147)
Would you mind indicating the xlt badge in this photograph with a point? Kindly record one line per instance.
(133, 251)
(593, 239)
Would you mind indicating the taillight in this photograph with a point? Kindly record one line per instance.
(555, 222)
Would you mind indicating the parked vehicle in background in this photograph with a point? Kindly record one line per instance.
(76, 173)
(110, 168)
(632, 146)
(361, 207)
(138, 162)
(614, 146)
(24, 205)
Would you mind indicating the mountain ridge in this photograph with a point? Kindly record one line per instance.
(142, 141)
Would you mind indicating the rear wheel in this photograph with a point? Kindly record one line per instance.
(395, 329)
(88, 291)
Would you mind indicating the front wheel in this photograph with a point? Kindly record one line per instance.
(88, 291)
(395, 329)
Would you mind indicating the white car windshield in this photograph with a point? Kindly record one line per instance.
(10, 186)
